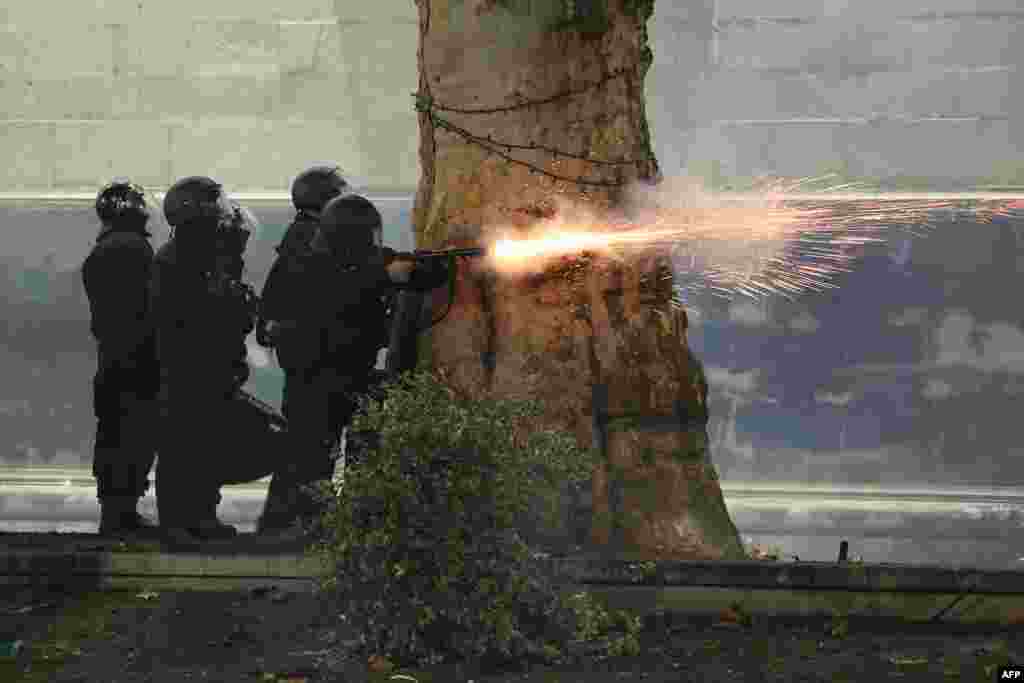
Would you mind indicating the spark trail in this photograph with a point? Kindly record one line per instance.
(774, 241)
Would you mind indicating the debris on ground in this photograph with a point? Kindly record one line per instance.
(246, 635)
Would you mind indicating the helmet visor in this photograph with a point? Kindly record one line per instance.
(238, 225)
(226, 206)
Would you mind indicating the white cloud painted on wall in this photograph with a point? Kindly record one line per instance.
(738, 387)
(839, 400)
(724, 379)
(959, 344)
(746, 313)
(987, 348)
(805, 323)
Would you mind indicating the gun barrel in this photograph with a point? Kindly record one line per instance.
(448, 253)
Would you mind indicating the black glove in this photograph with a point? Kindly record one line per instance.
(245, 299)
(430, 274)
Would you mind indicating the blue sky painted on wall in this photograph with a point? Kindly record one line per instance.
(912, 369)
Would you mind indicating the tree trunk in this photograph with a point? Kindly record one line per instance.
(588, 322)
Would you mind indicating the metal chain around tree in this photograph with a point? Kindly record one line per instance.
(426, 105)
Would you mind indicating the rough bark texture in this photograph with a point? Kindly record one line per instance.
(587, 320)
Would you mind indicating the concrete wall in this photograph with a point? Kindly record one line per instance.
(247, 91)
(47, 356)
(256, 92)
(893, 88)
(251, 91)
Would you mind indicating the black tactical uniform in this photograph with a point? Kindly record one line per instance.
(339, 323)
(116, 275)
(311, 190)
(202, 318)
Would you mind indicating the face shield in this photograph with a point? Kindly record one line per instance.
(243, 222)
(226, 206)
(236, 226)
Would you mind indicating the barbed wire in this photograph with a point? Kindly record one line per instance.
(489, 146)
(579, 90)
(426, 105)
(448, 125)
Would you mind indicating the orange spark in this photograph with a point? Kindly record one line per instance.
(777, 241)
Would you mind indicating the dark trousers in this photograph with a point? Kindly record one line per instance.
(192, 431)
(208, 442)
(125, 447)
(318, 409)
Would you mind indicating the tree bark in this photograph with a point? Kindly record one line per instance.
(586, 321)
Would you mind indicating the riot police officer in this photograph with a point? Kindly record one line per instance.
(116, 276)
(311, 190)
(202, 317)
(332, 342)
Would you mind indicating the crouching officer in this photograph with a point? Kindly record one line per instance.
(116, 275)
(202, 318)
(339, 323)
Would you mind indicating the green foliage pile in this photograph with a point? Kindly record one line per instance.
(421, 542)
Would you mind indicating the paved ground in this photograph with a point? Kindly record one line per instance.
(245, 543)
(272, 636)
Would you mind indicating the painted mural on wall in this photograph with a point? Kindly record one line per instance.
(911, 371)
(47, 356)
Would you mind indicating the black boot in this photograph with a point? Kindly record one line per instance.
(190, 537)
(292, 510)
(279, 514)
(212, 529)
(120, 515)
(179, 539)
(186, 528)
(208, 527)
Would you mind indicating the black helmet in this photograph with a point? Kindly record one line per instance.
(196, 198)
(122, 201)
(351, 225)
(316, 186)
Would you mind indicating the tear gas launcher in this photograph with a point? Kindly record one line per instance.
(407, 313)
(427, 255)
